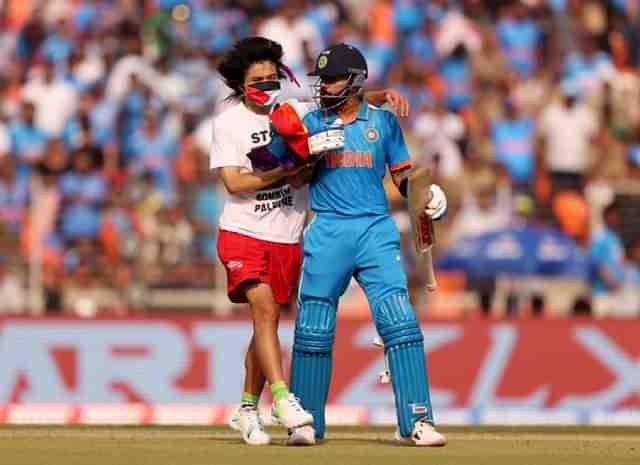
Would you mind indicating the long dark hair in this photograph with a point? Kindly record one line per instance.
(235, 63)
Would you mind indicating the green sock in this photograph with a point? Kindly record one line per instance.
(279, 390)
(249, 399)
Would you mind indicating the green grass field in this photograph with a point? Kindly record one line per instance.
(59, 445)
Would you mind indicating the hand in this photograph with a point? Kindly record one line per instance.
(436, 203)
(331, 139)
(398, 102)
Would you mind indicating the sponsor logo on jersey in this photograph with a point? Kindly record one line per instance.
(234, 265)
(348, 159)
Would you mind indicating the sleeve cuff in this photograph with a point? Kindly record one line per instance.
(400, 166)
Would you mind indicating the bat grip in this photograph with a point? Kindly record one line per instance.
(431, 282)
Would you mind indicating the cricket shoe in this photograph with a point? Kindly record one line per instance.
(289, 413)
(301, 436)
(247, 421)
(423, 434)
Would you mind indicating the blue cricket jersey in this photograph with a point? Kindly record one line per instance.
(349, 182)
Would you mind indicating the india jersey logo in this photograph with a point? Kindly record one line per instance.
(373, 135)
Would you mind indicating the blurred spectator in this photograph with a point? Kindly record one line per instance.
(216, 25)
(28, 142)
(207, 207)
(568, 128)
(607, 255)
(169, 85)
(154, 151)
(419, 46)
(514, 140)
(14, 196)
(588, 68)
(490, 65)
(132, 65)
(455, 69)
(119, 229)
(60, 44)
(86, 69)
(299, 37)
(84, 191)
(30, 37)
(49, 91)
(413, 83)
(485, 209)
(440, 133)
(167, 238)
(12, 292)
(520, 36)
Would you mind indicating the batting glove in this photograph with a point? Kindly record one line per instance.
(437, 206)
(331, 139)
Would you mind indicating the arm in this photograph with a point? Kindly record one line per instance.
(398, 102)
(237, 179)
(302, 178)
(226, 155)
(436, 200)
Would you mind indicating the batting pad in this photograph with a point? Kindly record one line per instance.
(404, 347)
(312, 361)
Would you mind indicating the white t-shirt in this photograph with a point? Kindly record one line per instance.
(274, 214)
(55, 103)
(568, 134)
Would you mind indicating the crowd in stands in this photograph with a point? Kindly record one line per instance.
(527, 110)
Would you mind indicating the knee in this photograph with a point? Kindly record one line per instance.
(396, 320)
(315, 326)
(266, 314)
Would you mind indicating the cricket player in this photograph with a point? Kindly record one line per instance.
(261, 224)
(354, 235)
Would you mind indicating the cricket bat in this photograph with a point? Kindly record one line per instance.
(419, 183)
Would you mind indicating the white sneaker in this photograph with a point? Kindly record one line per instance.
(423, 434)
(234, 422)
(247, 421)
(288, 412)
(302, 436)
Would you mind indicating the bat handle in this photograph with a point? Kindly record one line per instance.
(431, 282)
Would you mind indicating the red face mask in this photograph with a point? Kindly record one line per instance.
(264, 93)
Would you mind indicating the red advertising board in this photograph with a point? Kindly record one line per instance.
(578, 365)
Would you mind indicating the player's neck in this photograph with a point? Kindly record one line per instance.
(349, 111)
(256, 108)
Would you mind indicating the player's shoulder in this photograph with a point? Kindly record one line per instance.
(381, 112)
(231, 118)
(301, 107)
(382, 115)
(314, 119)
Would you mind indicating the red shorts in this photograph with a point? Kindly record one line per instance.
(249, 259)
